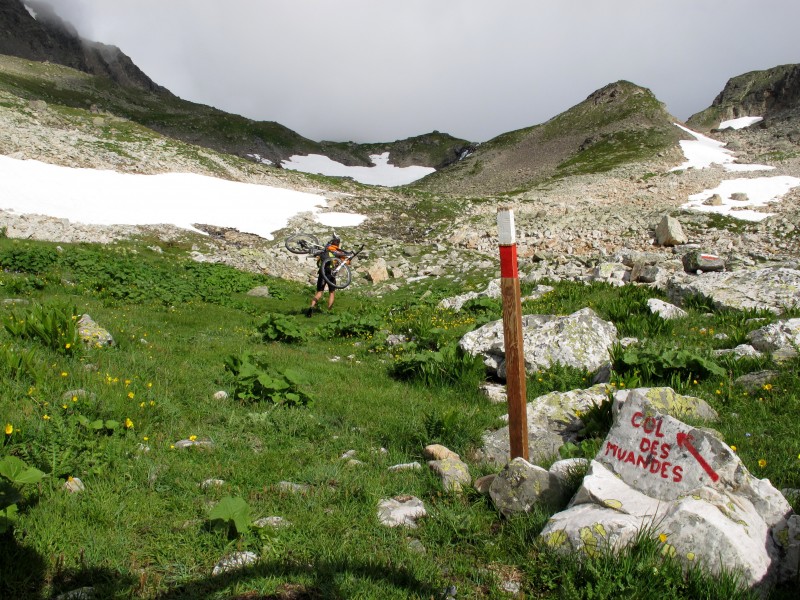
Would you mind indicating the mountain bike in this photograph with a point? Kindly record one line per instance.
(335, 270)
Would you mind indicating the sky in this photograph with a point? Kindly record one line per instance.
(384, 70)
(182, 199)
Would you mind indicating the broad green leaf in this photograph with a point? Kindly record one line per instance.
(16, 471)
(232, 509)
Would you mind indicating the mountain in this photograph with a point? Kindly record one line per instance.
(46, 37)
(619, 123)
(772, 93)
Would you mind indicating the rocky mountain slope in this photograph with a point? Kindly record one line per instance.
(618, 124)
(46, 37)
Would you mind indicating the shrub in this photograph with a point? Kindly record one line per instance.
(660, 365)
(280, 328)
(448, 366)
(255, 381)
(53, 326)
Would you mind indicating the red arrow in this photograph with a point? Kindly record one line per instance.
(685, 441)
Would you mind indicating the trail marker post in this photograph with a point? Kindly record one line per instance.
(512, 334)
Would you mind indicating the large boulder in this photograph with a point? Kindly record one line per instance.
(581, 340)
(669, 232)
(553, 420)
(772, 288)
(779, 337)
(690, 490)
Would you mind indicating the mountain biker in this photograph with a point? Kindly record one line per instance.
(332, 248)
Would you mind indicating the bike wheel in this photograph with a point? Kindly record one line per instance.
(336, 272)
(302, 243)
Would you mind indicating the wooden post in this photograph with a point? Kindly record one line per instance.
(512, 335)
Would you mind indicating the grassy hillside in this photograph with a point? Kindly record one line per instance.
(154, 518)
(619, 124)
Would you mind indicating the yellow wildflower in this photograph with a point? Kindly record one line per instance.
(192, 438)
(131, 395)
(662, 537)
(67, 345)
(762, 463)
(128, 423)
(733, 448)
(46, 417)
(9, 429)
(64, 374)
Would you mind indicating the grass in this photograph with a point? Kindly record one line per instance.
(142, 527)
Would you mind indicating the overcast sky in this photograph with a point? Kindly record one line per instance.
(382, 70)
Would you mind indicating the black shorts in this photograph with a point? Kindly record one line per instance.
(322, 284)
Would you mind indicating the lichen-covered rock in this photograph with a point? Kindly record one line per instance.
(520, 486)
(92, 334)
(453, 473)
(581, 340)
(690, 489)
(668, 401)
(401, 511)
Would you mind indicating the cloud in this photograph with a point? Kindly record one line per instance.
(363, 70)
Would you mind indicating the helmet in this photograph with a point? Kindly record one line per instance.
(335, 240)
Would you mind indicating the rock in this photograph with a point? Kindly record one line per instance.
(520, 486)
(553, 420)
(261, 291)
(741, 351)
(80, 394)
(74, 485)
(754, 382)
(92, 334)
(702, 261)
(412, 466)
(669, 232)
(782, 335)
(221, 395)
(211, 483)
(668, 401)
(665, 310)
(581, 340)
(482, 484)
(439, 452)
(293, 488)
(181, 444)
(273, 522)
(234, 561)
(655, 472)
(457, 302)
(377, 271)
(714, 200)
(453, 473)
(495, 392)
(401, 511)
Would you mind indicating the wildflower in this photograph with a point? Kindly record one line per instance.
(10, 429)
(67, 345)
(192, 438)
(733, 448)
(149, 384)
(131, 395)
(46, 417)
(762, 463)
(127, 382)
(662, 537)
(64, 374)
(145, 438)
(768, 386)
(64, 406)
(719, 392)
(141, 404)
(128, 423)
(172, 446)
(695, 382)
(74, 398)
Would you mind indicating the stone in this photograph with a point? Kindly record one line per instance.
(293, 488)
(377, 271)
(665, 310)
(780, 335)
(412, 466)
(74, 485)
(453, 473)
(84, 593)
(669, 232)
(190, 443)
(740, 351)
(92, 334)
(401, 511)
(273, 522)
(714, 200)
(495, 392)
(234, 561)
(520, 486)
(211, 483)
(552, 421)
(581, 340)
(702, 261)
(261, 291)
(221, 395)
(438, 452)
(656, 473)
(483, 484)
(753, 382)
(769, 288)
(668, 401)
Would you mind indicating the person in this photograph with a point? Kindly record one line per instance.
(332, 248)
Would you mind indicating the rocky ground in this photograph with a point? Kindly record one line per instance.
(580, 220)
